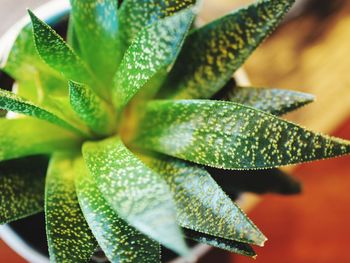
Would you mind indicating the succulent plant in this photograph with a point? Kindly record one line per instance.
(137, 114)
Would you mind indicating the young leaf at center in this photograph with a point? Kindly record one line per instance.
(154, 49)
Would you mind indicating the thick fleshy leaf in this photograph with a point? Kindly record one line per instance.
(154, 49)
(68, 234)
(59, 56)
(27, 136)
(119, 241)
(134, 15)
(226, 244)
(202, 205)
(36, 79)
(95, 112)
(274, 101)
(231, 136)
(96, 28)
(72, 38)
(214, 52)
(257, 181)
(11, 102)
(22, 184)
(139, 196)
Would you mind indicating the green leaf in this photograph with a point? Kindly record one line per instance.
(95, 112)
(256, 181)
(72, 38)
(231, 136)
(59, 56)
(11, 102)
(202, 205)
(27, 136)
(36, 79)
(22, 184)
(214, 52)
(96, 27)
(226, 244)
(155, 48)
(69, 237)
(134, 15)
(139, 196)
(119, 241)
(274, 101)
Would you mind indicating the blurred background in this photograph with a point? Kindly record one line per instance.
(309, 52)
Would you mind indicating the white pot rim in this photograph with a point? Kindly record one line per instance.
(58, 8)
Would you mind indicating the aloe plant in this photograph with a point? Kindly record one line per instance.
(133, 115)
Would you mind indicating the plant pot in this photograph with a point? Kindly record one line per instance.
(27, 237)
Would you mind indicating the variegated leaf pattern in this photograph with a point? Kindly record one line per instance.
(11, 102)
(119, 241)
(155, 48)
(22, 183)
(36, 79)
(94, 111)
(194, 191)
(134, 15)
(26, 136)
(59, 56)
(226, 244)
(68, 235)
(211, 54)
(97, 20)
(274, 101)
(139, 196)
(263, 181)
(231, 136)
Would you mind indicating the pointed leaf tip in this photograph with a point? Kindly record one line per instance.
(139, 195)
(202, 205)
(274, 101)
(231, 136)
(212, 53)
(154, 49)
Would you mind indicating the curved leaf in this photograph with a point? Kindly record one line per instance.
(155, 48)
(139, 196)
(226, 244)
(96, 28)
(59, 56)
(119, 241)
(214, 52)
(231, 136)
(11, 102)
(95, 112)
(134, 15)
(202, 205)
(22, 184)
(256, 181)
(27, 136)
(72, 38)
(69, 237)
(274, 101)
(37, 80)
